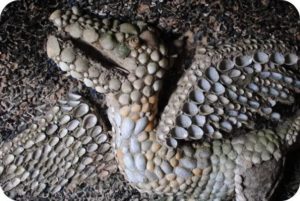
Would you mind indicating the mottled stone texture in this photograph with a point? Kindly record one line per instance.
(212, 134)
(257, 180)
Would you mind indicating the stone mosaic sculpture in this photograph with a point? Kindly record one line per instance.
(204, 145)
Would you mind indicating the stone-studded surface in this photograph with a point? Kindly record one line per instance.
(221, 90)
(156, 168)
(227, 87)
(110, 3)
(63, 149)
(30, 82)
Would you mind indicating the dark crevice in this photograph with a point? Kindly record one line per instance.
(96, 55)
(172, 76)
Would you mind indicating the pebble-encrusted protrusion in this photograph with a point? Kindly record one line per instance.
(226, 92)
(64, 148)
(130, 46)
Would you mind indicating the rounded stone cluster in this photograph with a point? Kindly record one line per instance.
(227, 93)
(63, 149)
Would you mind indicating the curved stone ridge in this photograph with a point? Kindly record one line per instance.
(64, 148)
(133, 47)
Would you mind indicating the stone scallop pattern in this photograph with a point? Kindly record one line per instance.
(230, 93)
(61, 150)
(186, 152)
